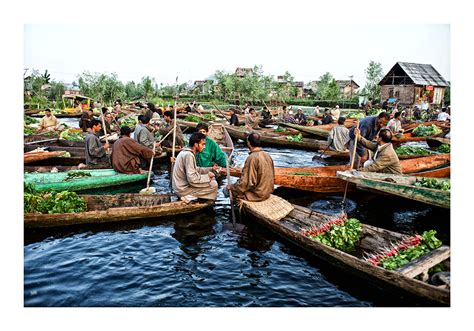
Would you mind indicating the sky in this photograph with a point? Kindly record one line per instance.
(133, 51)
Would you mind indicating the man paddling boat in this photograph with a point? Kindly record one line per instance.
(95, 153)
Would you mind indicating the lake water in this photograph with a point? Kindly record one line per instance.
(196, 261)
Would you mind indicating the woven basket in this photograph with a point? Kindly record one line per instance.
(274, 208)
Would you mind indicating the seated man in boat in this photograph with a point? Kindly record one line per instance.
(84, 121)
(338, 137)
(96, 155)
(146, 137)
(251, 120)
(48, 123)
(257, 180)
(213, 153)
(385, 158)
(335, 113)
(234, 120)
(395, 125)
(300, 118)
(266, 116)
(190, 181)
(168, 116)
(126, 153)
(369, 127)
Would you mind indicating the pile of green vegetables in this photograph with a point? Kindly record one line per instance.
(192, 118)
(397, 258)
(280, 129)
(52, 202)
(27, 130)
(298, 137)
(444, 148)
(71, 135)
(209, 117)
(357, 115)
(434, 183)
(412, 150)
(426, 130)
(30, 120)
(343, 235)
(77, 174)
(131, 122)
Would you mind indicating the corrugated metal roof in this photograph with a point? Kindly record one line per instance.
(423, 74)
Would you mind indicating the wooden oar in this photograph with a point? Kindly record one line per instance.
(105, 132)
(230, 192)
(220, 111)
(41, 141)
(356, 138)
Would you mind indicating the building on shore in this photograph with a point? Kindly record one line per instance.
(413, 84)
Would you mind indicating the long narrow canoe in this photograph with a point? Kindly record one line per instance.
(408, 127)
(324, 179)
(34, 156)
(278, 141)
(410, 137)
(373, 241)
(318, 130)
(219, 134)
(344, 155)
(115, 208)
(57, 181)
(402, 186)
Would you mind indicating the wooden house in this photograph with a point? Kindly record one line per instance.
(348, 88)
(241, 72)
(413, 83)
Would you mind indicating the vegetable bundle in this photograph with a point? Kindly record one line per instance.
(434, 183)
(298, 137)
(71, 135)
(192, 118)
(409, 250)
(444, 148)
(131, 122)
(412, 150)
(342, 233)
(426, 130)
(30, 120)
(52, 202)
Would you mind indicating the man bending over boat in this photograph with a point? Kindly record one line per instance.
(212, 154)
(168, 116)
(126, 153)
(190, 181)
(369, 127)
(385, 159)
(257, 180)
(96, 155)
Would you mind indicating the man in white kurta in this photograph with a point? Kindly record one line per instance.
(188, 179)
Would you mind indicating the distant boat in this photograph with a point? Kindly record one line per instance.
(59, 181)
(402, 186)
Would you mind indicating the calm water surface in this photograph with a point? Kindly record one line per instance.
(196, 261)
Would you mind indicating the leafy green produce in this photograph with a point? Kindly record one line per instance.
(30, 120)
(52, 202)
(131, 122)
(28, 130)
(343, 233)
(69, 134)
(280, 129)
(444, 148)
(209, 117)
(412, 150)
(401, 255)
(77, 174)
(298, 137)
(434, 183)
(426, 130)
(192, 118)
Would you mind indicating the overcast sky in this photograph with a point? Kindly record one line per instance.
(196, 51)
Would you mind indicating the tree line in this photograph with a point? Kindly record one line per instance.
(254, 86)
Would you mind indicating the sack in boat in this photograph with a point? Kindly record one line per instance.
(274, 208)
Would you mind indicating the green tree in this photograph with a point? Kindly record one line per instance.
(374, 75)
(147, 84)
(328, 89)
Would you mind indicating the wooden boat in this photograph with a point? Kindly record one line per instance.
(34, 156)
(61, 115)
(435, 142)
(317, 130)
(278, 141)
(60, 168)
(116, 208)
(408, 127)
(324, 179)
(219, 134)
(58, 181)
(344, 155)
(373, 241)
(399, 185)
(410, 137)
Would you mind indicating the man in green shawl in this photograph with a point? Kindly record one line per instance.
(212, 154)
